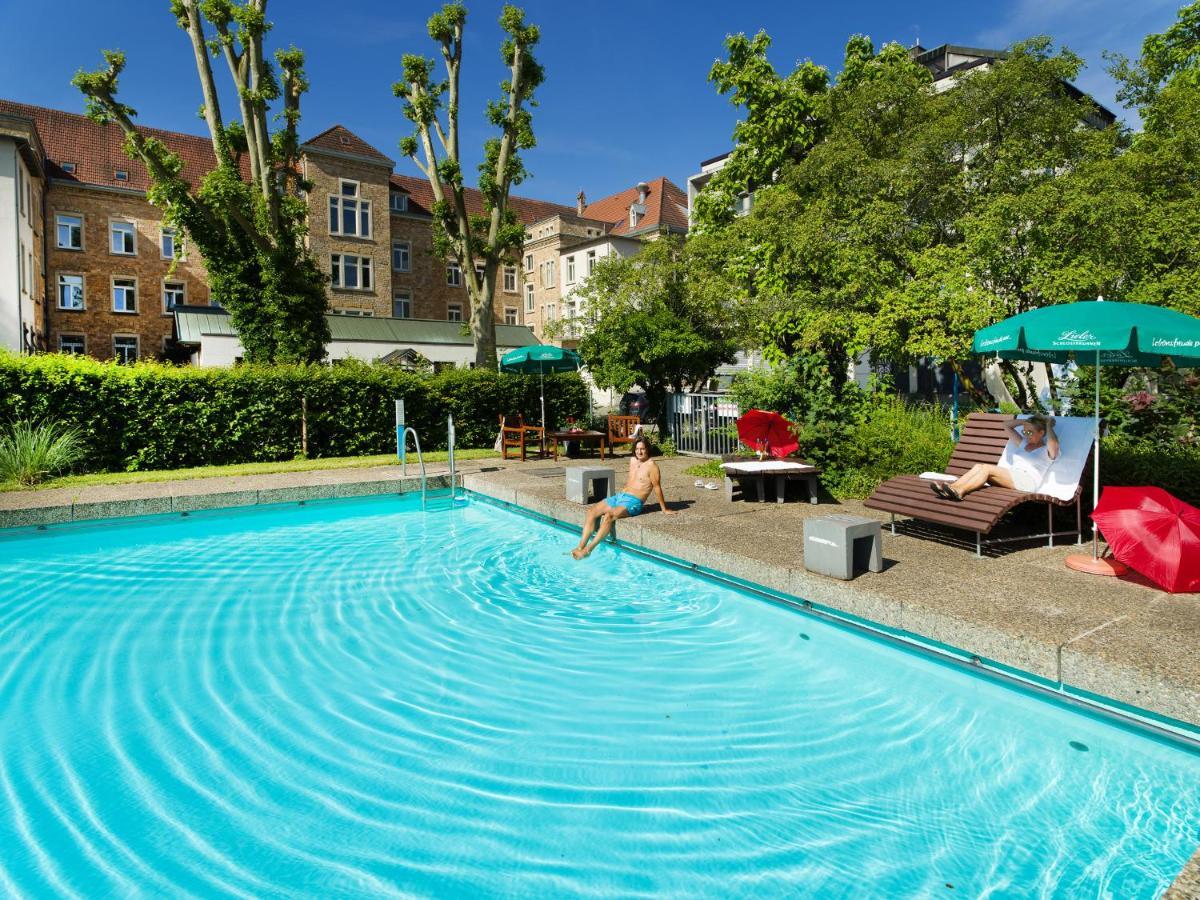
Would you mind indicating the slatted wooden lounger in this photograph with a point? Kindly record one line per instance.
(983, 439)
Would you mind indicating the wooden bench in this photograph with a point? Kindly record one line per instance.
(622, 430)
(983, 439)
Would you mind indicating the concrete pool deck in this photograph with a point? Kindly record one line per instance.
(1121, 639)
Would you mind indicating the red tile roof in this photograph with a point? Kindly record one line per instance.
(98, 150)
(342, 140)
(666, 204)
(420, 200)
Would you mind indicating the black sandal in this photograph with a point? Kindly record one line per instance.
(940, 489)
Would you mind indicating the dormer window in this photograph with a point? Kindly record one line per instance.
(636, 213)
(398, 202)
(121, 175)
(68, 167)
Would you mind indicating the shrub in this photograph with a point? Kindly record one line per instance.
(1138, 462)
(28, 452)
(153, 416)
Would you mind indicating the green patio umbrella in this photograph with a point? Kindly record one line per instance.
(539, 359)
(1098, 333)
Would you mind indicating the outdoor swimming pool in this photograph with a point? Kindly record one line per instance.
(356, 698)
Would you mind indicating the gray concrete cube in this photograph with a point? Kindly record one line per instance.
(832, 544)
(581, 480)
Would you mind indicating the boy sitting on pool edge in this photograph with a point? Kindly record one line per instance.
(644, 477)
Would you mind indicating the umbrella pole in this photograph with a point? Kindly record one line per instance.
(542, 379)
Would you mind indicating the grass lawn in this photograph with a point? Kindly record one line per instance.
(265, 468)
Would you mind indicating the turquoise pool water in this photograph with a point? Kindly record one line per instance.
(356, 698)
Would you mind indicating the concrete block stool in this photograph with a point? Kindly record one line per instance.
(833, 544)
(581, 480)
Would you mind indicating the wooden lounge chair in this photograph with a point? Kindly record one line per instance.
(622, 430)
(525, 439)
(983, 440)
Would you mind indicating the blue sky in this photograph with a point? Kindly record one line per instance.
(626, 96)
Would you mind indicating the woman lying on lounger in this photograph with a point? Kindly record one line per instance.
(1036, 449)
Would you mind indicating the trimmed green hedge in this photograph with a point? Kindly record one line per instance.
(153, 416)
(1174, 469)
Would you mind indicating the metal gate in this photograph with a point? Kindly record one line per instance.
(703, 424)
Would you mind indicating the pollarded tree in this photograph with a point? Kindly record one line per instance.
(249, 231)
(495, 237)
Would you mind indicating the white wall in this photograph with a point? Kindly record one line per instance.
(218, 350)
(10, 291)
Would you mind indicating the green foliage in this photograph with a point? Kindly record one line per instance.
(28, 452)
(1149, 407)
(654, 322)
(708, 469)
(151, 416)
(1125, 461)
(250, 233)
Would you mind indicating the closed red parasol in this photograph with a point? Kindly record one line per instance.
(1153, 533)
(767, 432)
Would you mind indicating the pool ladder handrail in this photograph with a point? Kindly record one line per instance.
(420, 458)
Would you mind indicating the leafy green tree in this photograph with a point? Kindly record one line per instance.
(495, 237)
(250, 232)
(651, 321)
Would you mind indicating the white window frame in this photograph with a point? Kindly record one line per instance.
(402, 297)
(58, 286)
(82, 341)
(182, 285)
(112, 233)
(528, 262)
(529, 297)
(355, 312)
(511, 316)
(113, 285)
(164, 233)
(549, 312)
(362, 267)
(591, 262)
(137, 348)
(569, 274)
(510, 279)
(454, 312)
(405, 247)
(397, 202)
(453, 274)
(343, 201)
(59, 225)
(548, 273)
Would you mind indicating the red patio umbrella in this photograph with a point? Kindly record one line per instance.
(1153, 533)
(767, 431)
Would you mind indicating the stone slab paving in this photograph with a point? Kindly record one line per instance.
(1187, 885)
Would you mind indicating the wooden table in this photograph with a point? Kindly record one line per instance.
(583, 437)
(782, 471)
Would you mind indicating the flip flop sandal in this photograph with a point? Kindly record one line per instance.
(940, 489)
(699, 482)
(712, 486)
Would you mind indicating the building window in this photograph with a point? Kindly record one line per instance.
(551, 313)
(351, 272)
(72, 343)
(174, 294)
(510, 279)
(122, 238)
(453, 274)
(510, 315)
(548, 273)
(453, 312)
(402, 256)
(528, 262)
(591, 261)
(68, 167)
(121, 175)
(357, 313)
(124, 293)
(125, 348)
(70, 232)
(398, 202)
(570, 270)
(349, 214)
(402, 305)
(70, 291)
(529, 297)
(168, 243)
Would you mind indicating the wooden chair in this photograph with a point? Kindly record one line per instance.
(525, 439)
(622, 430)
(982, 441)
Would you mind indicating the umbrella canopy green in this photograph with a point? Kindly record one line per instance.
(1099, 333)
(538, 359)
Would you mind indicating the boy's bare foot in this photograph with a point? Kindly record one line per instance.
(579, 552)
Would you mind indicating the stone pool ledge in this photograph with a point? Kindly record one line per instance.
(1124, 640)
(60, 505)
(1187, 885)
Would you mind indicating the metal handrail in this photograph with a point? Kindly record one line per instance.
(420, 458)
(450, 435)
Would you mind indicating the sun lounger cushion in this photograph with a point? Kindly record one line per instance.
(1075, 435)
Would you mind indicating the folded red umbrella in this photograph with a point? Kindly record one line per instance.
(767, 431)
(1153, 533)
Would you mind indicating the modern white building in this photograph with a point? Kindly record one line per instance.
(209, 335)
(22, 273)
